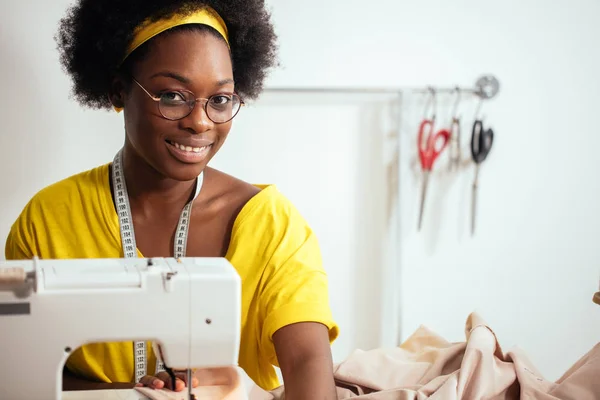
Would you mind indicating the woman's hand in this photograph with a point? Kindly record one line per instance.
(162, 380)
(223, 383)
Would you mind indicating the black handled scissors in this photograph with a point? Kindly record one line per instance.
(481, 144)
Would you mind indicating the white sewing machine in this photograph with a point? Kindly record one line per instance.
(48, 308)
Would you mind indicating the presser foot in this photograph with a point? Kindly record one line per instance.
(191, 396)
(172, 376)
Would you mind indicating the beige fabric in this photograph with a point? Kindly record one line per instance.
(426, 366)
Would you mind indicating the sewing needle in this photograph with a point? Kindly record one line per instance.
(191, 396)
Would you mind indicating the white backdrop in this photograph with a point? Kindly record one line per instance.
(335, 169)
(532, 267)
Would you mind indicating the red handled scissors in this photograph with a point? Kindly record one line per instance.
(430, 147)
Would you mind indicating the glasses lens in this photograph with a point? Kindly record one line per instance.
(223, 107)
(175, 105)
(220, 108)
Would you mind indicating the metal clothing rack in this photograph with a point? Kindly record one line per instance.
(485, 87)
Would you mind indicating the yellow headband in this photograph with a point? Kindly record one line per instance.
(206, 16)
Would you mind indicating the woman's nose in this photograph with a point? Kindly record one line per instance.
(198, 120)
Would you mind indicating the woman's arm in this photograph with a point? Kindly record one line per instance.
(304, 355)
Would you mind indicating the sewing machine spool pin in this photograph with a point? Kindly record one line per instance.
(15, 275)
(18, 281)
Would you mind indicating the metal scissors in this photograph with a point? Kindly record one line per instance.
(454, 149)
(430, 146)
(481, 144)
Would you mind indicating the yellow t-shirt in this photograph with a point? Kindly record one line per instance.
(272, 248)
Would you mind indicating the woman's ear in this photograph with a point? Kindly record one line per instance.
(117, 92)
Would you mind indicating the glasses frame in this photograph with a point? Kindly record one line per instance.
(196, 101)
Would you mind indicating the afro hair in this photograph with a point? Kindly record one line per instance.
(94, 35)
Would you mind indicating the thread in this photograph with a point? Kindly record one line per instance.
(12, 275)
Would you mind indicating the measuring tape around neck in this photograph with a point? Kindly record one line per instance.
(123, 208)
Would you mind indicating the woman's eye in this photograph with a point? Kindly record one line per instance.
(220, 100)
(172, 98)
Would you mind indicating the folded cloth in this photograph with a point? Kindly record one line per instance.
(426, 366)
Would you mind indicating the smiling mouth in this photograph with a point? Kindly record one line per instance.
(189, 149)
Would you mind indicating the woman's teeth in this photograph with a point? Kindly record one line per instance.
(189, 148)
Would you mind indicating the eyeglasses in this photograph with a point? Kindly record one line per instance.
(175, 105)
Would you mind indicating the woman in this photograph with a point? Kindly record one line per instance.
(179, 71)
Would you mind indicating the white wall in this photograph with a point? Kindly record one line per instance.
(532, 267)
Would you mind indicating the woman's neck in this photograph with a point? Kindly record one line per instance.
(149, 191)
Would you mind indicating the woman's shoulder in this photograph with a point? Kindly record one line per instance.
(259, 205)
(66, 192)
(80, 184)
(268, 230)
(50, 211)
